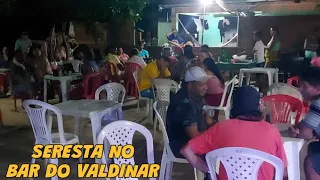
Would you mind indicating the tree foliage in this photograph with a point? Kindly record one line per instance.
(84, 10)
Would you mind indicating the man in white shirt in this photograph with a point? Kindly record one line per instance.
(136, 59)
(258, 49)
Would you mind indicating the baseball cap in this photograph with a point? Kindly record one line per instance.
(196, 74)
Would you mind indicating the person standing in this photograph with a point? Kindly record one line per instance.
(273, 48)
(258, 49)
(23, 43)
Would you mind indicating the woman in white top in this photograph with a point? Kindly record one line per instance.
(136, 59)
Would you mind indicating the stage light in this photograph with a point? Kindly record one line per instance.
(206, 2)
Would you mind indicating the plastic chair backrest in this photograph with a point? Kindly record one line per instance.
(283, 88)
(228, 91)
(91, 83)
(281, 106)
(242, 163)
(294, 81)
(161, 107)
(136, 79)
(164, 87)
(114, 90)
(131, 86)
(36, 111)
(121, 133)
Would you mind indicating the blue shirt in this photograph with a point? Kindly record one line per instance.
(144, 53)
(172, 37)
(86, 65)
(182, 112)
(312, 119)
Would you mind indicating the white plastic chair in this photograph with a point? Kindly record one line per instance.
(121, 133)
(227, 93)
(115, 92)
(164, 87)
(242, 163)
(37, 113)
(284, 88)
(148, 101)
(168, 158)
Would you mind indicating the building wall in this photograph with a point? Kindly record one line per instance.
(293, 30)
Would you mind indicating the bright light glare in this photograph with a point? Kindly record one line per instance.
(206, 2)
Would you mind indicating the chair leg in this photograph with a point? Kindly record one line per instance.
(163, 168)
(169, 170)
(15, 103)
(138, 105)
(155, 122)
(227, 114)
(56, 162)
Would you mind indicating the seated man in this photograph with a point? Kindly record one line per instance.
(21, 79)
(246, 129)
(185, 116)
(155, 69)
(309, 127)
(136, 59)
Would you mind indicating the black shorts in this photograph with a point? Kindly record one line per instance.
(314, 155)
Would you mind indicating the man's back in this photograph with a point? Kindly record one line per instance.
(258, 135)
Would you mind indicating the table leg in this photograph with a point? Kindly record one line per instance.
(276, 76)
(240, 78)
(270, 78)
(10, 84)
(96, 127)
(45, 90)
(77, 125)
(293, 152)
(120, 114)
(248, 77)
(64, 90)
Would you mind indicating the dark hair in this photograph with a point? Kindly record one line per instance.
(258, 34)
(165, 58)
(276, 29)
(205, 51)
(205, 47)
(97, 54)
(211, 65)
(88, 56)
(311, 75)
(24, 33)
(134, 52)
(188, 52)
(111, 49)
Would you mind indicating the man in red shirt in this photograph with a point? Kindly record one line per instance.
(246, 129)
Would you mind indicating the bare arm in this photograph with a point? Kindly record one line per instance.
(194, 159)
(271, 43)
(192, 131)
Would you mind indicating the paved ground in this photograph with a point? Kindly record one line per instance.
(16, 145)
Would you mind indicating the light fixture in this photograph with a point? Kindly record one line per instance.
(206, 2)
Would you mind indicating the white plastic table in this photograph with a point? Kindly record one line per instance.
(271, 72)
(63, 83)
(93, 109)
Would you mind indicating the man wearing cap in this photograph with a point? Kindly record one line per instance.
(246, 129)
(23, 43)
(185, 116)
(309, 127)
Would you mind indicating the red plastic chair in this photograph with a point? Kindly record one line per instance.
(130, 84)
(294, 81)
(91, 83)
(280, 107)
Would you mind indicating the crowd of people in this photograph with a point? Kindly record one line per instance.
(192, 132)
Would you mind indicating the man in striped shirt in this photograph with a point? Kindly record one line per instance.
(309, 127)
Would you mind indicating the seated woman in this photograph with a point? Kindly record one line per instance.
(4, 63)
(38, 65)
(215, 85)
(21, 79)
